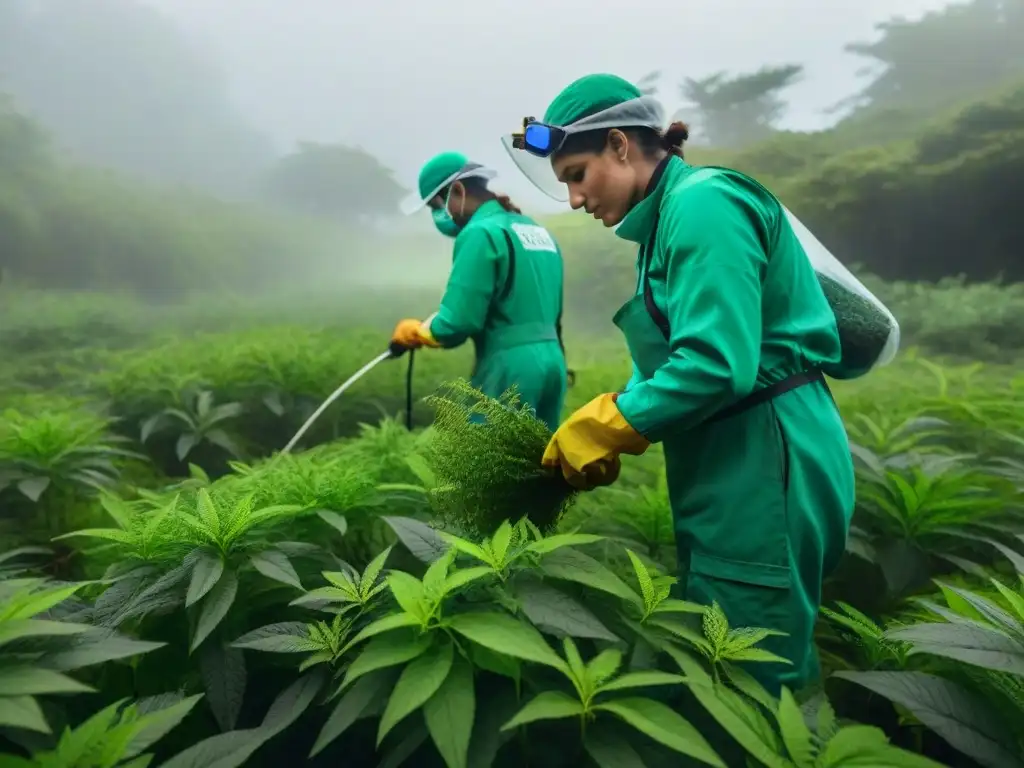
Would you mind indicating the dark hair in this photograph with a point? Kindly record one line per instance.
(649, 140)
(477, 187)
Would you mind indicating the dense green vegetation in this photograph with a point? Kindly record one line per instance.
(223, 570)
(175, 591)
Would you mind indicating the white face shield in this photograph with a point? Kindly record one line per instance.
(540, 142)
(414, 202)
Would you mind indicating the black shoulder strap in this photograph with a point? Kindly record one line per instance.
(646, 256)
(511, 274)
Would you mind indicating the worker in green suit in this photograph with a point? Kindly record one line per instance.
(728, 330)
(504, 291)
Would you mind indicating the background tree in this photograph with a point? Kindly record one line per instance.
(735, 111)
(117, 84)
(333, 180)
(943, 57)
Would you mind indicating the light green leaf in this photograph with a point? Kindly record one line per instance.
(206, 573)
(500, 541)
(388, 650)
(641, 680)
(864, 745)
(465, 576)
(22, 712)
(215, 607)
(504, 634)
(559, 540)
(644, 579)
(795, 734)
(387, 624)
(549, 705)
(408, 592)
(451, 713)
(665, 726)
(468, 548)
(671, 605)
(17, 629)
(498, 663)
(36, 681)
(275, 565)
(417, 683)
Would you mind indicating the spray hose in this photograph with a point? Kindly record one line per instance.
(393, 352)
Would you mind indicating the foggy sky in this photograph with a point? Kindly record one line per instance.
(406, 78)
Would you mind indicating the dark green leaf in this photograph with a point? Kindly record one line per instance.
(450, 714)
(418, 682)
(274, 564)
(355, 704)
(957, 715)
(215, 607)
(224, 677)
(420, 539)
(558, 614)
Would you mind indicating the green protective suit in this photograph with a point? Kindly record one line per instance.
(505, 294)
(727, 319)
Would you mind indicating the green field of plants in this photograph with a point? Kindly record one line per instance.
(177, 593)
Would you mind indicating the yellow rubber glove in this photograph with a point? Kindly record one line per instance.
(413, 334)
(587, 446)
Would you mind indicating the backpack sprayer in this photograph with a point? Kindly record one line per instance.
(393, 352)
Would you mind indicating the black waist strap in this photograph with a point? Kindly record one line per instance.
(763, 395)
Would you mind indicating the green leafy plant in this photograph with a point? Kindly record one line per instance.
(486, 456)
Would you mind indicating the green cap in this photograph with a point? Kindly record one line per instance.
(588, 96)
(438, 170)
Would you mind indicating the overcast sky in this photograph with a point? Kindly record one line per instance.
(407, 78)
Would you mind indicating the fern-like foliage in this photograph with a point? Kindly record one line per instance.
(486, 455)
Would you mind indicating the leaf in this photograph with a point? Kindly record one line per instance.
(573, 565)
(333, 519)
(608, 750)
(418, 682)
(557, 541)
(285, 637)
(22, 712)
(408, 592)
(205, 574)
(97, 646)
(498, 663)
(420, 539)
(642, 680)
(215, 607)
(795, 734)
(233, 749)
(665, 726)
(492, 711)
(33, 487)
(274, 564)
(558, 614)
(971, 643)
(504, 634)
(451, 713)
(158, 715)
(549, 705)
(352, 706)
(36, 681)
(966, 721)
(186, 442)
(16, 629)
(387, 650)
(224, 678)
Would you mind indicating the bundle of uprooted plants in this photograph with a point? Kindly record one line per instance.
(485, 454)
(863, 329)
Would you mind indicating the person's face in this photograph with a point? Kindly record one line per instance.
(455, 197)
(603, 184)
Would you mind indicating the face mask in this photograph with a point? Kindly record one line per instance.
(443, 219)
(444, 222)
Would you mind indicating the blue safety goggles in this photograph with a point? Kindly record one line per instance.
(538, 139)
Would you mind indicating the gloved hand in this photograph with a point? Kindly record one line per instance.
(413, 334)
(587, 446)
